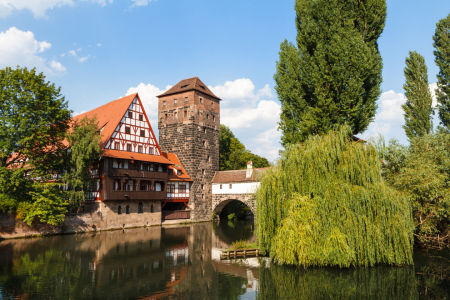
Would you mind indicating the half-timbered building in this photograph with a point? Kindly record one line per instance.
(134, 178)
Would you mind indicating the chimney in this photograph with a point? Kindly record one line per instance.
(249, 170)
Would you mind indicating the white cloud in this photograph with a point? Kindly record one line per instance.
(433, 88)
(83, 59)
(267, 144)
(147, 94)
(266, 91)
(265, 114)
(99, 45)
(79, 49)
(72, 53)
(39, 7)
(238, 89)
(57, 66)
(140, 2)
(21, 48)
(62, 54)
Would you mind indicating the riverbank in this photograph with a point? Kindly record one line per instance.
(97, 217)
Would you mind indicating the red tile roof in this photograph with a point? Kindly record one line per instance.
(176, 166)
(136, 156)
(237, 176)
(189, 84)
(108, 116)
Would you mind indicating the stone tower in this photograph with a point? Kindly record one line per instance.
(188, 123)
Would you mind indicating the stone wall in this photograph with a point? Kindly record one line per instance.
(97, 216)
(194, 137)
(219, 201)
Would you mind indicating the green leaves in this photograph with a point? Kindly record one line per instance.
(419, 105)
(326, 204)
(333, 76)
(441, 43)
(233, 155)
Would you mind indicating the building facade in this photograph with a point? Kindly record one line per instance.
(189, 123)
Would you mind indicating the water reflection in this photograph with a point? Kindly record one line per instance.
(182, 262)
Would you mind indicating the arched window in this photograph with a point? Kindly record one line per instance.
(140, 208)
(151, 208)
(119, 210)
(128, 209)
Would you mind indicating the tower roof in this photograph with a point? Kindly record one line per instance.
(189, 84)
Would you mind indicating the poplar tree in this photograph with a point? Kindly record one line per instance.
(441, 43)
(333, 75)
(419, 104)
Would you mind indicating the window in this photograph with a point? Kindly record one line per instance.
(131, 165)
(140, 149)
(117, 146)
(201, 100)
(231, 186)
(204, 143)
(212, 104)
(203, 186)
(185, 113)
(220, 186)
(151, 167)
(158, 187)
(151, 150)
(128, 210)
(140, 208)
(141, 118)
(142, 133)
(207, 116)
(175, 115)
(186, 99)
(130, 185)
(144, 186)
(127, 130)
(164, 103)
(179, 172)
(119, 210)
(175, 101)
(144, 167)
(151, 210)
(165, 117)
(214, 118)
(204, 130)
(181, 188)
(170, 171)
(130, 115)
(160, 168)
(209, 158)
(117, 185)
(171, 188)
(203, 172)
(129, 147)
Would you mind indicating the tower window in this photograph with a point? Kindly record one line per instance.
(214, 118)
(175, 115)
(185, 113)
(140, 149)
(164, 103)
(119, 210)
(142, 133)
(186, 99)
(129, 147)
(204, 143)
(128, 210)
(117, 146)
(130, 115)
(127, 130)
(165, 117)
(207, 116)
(151, 210)
(201, 100)
(204, 130)
(203, 186)
(212, 104)
(141, 118)
(209, 158)
(140, 208)
(175, 101)
(203, 172)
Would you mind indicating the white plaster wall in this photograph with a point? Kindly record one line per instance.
(236, 188)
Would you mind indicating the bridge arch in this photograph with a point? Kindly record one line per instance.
(220, 201)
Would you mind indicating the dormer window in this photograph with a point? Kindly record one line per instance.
(183, 86)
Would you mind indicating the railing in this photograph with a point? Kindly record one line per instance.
(136, 195)
(175, 214)
(136, 174)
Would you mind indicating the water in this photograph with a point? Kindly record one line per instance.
(182, 262)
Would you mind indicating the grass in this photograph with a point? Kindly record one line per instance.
(243, 244)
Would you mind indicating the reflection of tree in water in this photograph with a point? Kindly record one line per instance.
(433, 274)
(380, 282)
(231, 231)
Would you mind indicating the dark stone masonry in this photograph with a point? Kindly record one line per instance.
(188, 123)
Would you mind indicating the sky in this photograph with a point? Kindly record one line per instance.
(100, 50)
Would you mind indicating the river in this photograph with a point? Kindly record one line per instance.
(183, 262)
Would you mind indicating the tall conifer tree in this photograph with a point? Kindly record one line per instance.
(442, 58)
(333, 76)
(419, 106)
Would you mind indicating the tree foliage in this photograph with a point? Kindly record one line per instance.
(441, 44)
(422, 173)
(34, 119)
(333, 75)
(419, 104)
(83, 155)
(232, 153)
(326, 204)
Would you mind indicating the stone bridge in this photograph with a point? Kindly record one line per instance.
(219, 201)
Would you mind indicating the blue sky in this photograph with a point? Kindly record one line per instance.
(100, 50)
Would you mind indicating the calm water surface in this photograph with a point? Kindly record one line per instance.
(183, 262)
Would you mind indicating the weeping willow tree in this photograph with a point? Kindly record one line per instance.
(326, 204)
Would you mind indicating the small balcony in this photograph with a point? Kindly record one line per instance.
(137, 174)
(136, 195)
